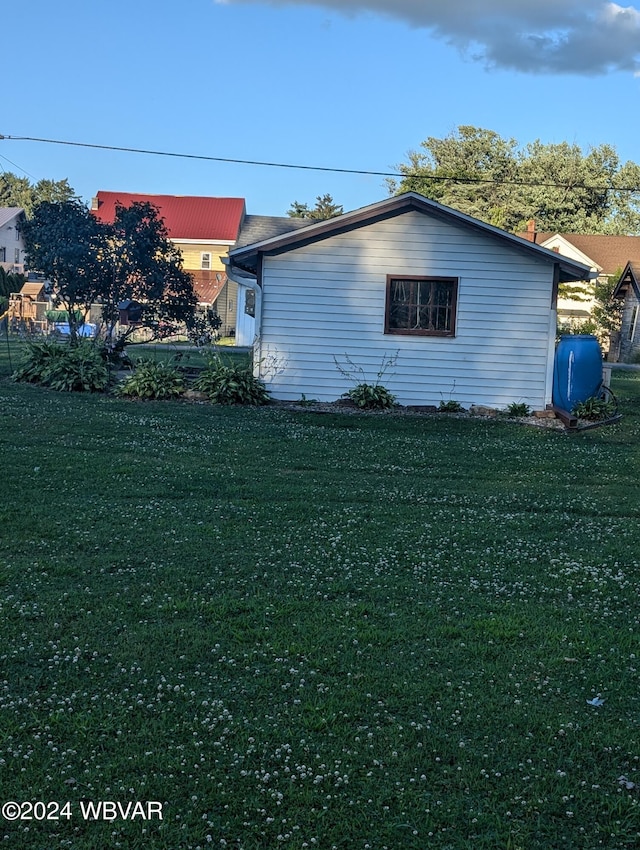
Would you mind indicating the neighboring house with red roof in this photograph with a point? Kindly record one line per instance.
(204, 229)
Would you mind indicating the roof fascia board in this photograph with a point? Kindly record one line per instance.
(389, 209)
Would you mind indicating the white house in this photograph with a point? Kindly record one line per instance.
(606, 255)
(11, 241)
(465, 311)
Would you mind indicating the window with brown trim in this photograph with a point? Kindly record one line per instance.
(421, 305)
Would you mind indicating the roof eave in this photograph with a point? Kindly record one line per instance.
(247, 256)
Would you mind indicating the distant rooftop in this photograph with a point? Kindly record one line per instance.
(186, 216)
(256, 228)
(608, 252)
(9, 213)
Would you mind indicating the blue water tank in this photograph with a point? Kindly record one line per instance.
(577, 371)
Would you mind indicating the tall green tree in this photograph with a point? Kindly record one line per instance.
(141, 264)
(10, 282)
(20, 192)
(607, 310)
(491, 178)
(65, 242)
(88, 261)
(325, 208)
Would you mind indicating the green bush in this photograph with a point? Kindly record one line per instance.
(450, 406)
(81, 370)
(227, 383)
(371, 397)
(37, 361)
(518, 409)
(153, 381)
(63, 367)
(594, 409)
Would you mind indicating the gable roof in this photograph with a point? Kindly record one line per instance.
(186, 216)
(9, 213)
(630, 277)
(608, 253)
(247, 257)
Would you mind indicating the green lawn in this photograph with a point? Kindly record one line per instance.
(297, 630)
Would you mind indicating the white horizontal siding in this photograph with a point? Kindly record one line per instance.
(327, 300)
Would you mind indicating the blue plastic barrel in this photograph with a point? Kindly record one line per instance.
(577, 371)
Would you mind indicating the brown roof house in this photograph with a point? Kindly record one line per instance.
(605, 255)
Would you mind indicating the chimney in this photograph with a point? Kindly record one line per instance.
(94, 203)
(531, 234)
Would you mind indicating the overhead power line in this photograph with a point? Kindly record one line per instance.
(357, 171)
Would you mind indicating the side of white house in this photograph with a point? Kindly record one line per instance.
(575, 302)
(11, 240)
(325, 302)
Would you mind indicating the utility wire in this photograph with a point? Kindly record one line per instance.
(403, 175)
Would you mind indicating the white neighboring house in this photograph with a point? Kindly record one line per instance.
(467, 310)
(11, 240)
(606, 255)
(577, 304)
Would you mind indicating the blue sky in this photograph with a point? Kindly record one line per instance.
(336, 84)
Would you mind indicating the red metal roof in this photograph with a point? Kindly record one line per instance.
(208, 285)
(186, 217)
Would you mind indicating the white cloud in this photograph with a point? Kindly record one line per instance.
(535, 36)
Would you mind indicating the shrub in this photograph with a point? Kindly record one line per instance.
(365, 395)
(38, 360)
(450, 406)
(518, 409)
(153, 381)
(594, 409)
(64, 368)
(82, 369)
(226, 383)
(371, 397)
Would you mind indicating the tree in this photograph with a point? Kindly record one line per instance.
(20, 192)
(559, 186)
(141, 264)
(325, 208)
(64, 242)
(88, 261)
(607, 310)
(10, 282)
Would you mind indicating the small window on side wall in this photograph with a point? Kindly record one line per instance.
(206, 261)
(421, 306)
